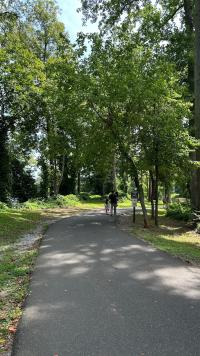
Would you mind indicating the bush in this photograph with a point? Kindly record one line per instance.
(123, 198)
(59, 201)
(3, 206)
(71, 197)
(70, 200)
(90, 197)
(179, 211)
(95, 197)
(34, 204)
(198, 228)
(84, 196)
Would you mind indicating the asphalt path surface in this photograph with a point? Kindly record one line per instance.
(98, 291)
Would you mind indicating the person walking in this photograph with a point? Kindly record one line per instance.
(107, 205)
(113, 197)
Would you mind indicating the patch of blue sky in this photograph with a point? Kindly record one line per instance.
(72, 19)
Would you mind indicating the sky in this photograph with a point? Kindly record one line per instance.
(72, 19)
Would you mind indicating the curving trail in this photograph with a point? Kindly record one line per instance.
(98, 291)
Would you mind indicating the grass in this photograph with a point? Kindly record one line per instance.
(173, 237)
(14, 223)
(125, 203)
(15, 268)
(83, 201)
(15, 272)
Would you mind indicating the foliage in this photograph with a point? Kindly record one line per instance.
(198, 228)
(179, 211)
(14, 222)
(23, 184)
(61, 201)
(14, 280)
(58, 201)
(90, 197)
(3, 206)
(113, 114)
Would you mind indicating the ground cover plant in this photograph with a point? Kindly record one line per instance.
(15, 267)
(15, 272)
(179, 211)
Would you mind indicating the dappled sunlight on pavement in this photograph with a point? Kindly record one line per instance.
(98, 291)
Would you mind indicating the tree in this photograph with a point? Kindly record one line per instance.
(135, 94)
(20, 70)
(197, 100)
(22, 181)
(56, 115)
(178, 40)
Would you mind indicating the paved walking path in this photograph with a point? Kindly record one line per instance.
(98, 291)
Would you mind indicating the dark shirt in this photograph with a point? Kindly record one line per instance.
(113, 198)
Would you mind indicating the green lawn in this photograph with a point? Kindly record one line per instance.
(15, 272)
(173, 237)
(15, 268)
(14, 222)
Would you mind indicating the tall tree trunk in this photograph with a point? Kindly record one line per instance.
(125, 185)
(167, 193)
(78, 182)
(138, 185)
(50, 170)
(147, 185)
(156, 195)
(149, 189)
(197, 97)
(144, 210)
(4, 164)
(109, 123)
(55, 177)
(141, 195)
(44, 185)
(58, 174)
(152, 194)
(114, 179)
(189, 23)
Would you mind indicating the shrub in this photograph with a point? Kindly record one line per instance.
(3, 206)
(124, 198)
(70, 200)
(90, 197)
(198, 228)
(84, 196)
(179, 211)
(34, 204)
(71, 197)
(95, 197)
(59, 201)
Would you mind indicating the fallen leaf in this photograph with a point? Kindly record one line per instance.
(12, 329)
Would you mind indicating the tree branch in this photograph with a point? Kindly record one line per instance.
(171, 16)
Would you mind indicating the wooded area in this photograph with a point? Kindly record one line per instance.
(119, 109)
